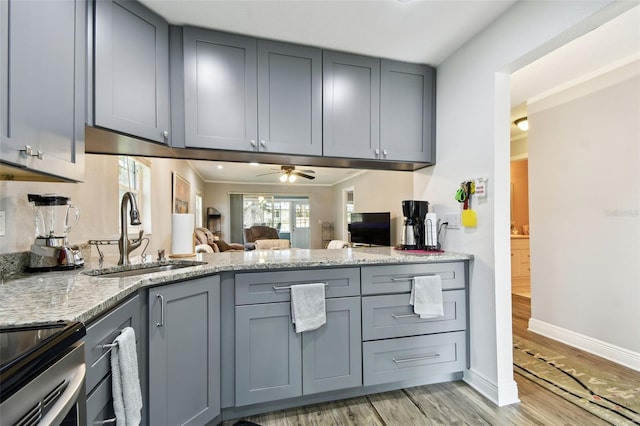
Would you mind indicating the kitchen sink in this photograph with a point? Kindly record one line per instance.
(141, 269)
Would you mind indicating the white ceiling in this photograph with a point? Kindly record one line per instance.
(424, 31)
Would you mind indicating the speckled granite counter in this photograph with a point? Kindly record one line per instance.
(73, 295)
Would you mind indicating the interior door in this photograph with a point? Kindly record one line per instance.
(300, 221)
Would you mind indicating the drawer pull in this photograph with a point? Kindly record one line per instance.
(288, 287)
(104, 422)
(161, 323)
(420, 358)
(411, 278)
(396, 316)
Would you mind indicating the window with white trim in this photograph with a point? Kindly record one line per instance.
(134, 175)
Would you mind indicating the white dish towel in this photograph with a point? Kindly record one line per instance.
(426, 296)
(127, 398)
(308, 311)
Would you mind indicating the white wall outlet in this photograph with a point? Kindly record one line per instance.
(453, 220)
(2, 228)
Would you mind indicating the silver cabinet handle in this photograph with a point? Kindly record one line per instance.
(161, 323)
(165, 134)
(396, 316)
(104, 422)
(29, 152)
(263, 144)
(288, 287)
(420, 358)
(252, 142)
(377, 151)
(384, 153)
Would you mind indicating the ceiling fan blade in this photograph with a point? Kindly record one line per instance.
(307, 171)
(297, 173)
(270, 173)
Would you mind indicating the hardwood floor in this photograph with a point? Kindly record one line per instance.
(455, 403)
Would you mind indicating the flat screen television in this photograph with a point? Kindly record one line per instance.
(371, 228)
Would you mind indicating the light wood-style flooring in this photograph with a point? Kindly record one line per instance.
(455, 403)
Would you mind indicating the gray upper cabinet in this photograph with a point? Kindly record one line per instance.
(42, 86)
(351, 106)
(407, 112)
(244, 94)
(184, 352)
(220, 93)
(289, 98)
(131, 74)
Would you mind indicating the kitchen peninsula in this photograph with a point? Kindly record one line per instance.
(230, 318)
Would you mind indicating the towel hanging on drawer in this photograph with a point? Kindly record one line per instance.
(426, 296)
(127, 398)
(308, 310)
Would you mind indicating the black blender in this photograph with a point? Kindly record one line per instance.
(53, 219)
(414, 212)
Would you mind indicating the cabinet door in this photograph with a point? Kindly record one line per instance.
(351, 105)
(184, 352)
(516, 262)
(220, 90)
(42, 59)
(289, 98)
(407, 106)
(332, 354)
(131, 70)
(268, 354)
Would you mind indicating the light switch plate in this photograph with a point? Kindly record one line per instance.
(2, 228)
(453, 220)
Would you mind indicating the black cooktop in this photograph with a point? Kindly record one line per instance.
(28, 350)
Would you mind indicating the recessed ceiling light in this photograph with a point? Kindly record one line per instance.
(522, 123)
(254, 164)
(219, 166)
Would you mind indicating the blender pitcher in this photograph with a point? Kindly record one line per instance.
(52, 216)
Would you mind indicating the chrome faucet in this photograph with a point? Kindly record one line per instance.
(124, 244)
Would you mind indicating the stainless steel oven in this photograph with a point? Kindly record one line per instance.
(42, 374)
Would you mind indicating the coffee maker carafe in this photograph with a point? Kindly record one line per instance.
(414, 212)
(53, 220)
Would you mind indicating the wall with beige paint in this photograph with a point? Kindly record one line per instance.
(98, 200)
(375, 191)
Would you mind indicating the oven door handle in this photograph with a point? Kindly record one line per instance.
(68, 398)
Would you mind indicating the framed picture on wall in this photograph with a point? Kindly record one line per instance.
(181, 194)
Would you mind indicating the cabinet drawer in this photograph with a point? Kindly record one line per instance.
(520, 243)
(392, 316)
(104, 331)
(393, 360)
(267, 287)
(100, 403)
(397, 278)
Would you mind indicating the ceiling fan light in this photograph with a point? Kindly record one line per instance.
(522, 123)
(292, 178)
(283, 178)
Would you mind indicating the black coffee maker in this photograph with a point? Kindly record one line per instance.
(414, 212)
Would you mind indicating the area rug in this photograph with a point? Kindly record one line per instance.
(604, 395)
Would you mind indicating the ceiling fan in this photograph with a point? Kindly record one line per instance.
(290, 174)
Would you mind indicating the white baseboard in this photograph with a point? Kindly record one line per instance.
(504, 394)
(597, 347)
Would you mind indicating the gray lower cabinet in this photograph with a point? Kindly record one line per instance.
(407, 111)
(101, 332)
(184, 352)
(42, 86)
(273, 362)
(351, 105)
(131, 71)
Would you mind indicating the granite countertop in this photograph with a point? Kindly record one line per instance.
(76, 296)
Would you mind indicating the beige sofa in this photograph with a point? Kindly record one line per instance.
(205, 237)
